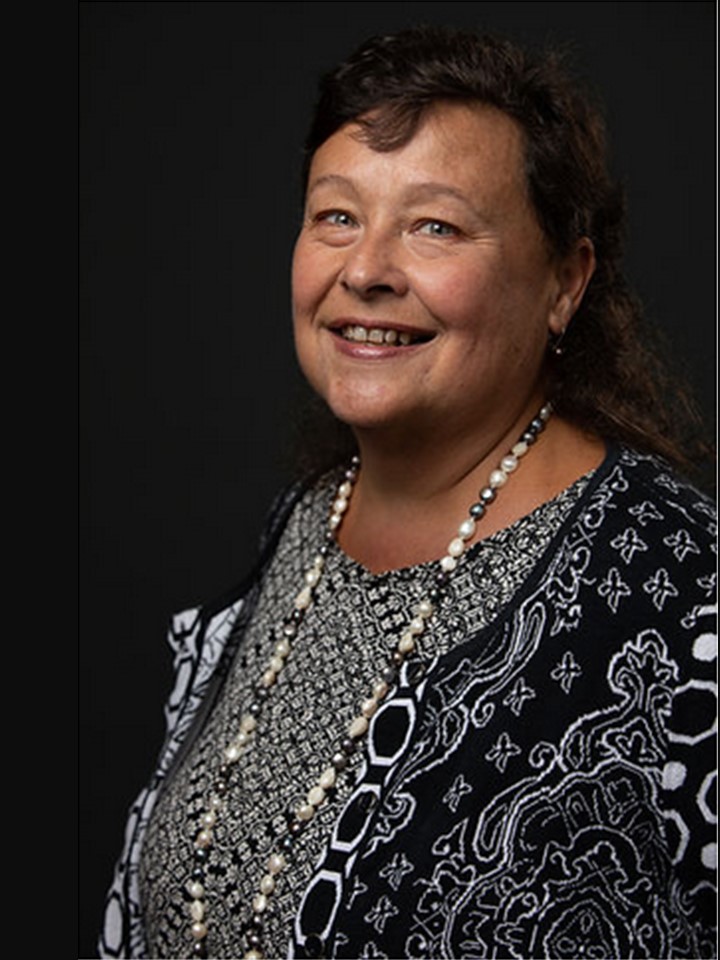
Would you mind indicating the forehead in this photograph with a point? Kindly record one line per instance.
(472, 147)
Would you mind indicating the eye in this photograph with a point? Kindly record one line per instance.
(437, 228)
(336, 218)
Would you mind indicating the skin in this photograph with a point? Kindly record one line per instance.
(437, 239)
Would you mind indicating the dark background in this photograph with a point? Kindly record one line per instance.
(192, 117)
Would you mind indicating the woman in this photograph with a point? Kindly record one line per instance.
(463, 706)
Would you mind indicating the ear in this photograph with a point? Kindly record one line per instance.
(573, 274)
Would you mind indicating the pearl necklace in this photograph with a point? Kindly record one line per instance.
(323, 787)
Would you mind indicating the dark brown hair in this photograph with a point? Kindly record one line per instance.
(610, 378)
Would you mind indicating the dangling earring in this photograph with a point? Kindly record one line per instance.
(555, 343)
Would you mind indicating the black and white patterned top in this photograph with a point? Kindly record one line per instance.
(538, 784)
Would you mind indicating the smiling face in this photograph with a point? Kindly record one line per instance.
(423, 287)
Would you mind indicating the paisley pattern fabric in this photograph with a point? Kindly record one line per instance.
(544, 787)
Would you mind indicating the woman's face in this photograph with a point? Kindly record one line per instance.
(423, 288)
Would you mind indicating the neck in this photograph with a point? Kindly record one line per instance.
(411, 495)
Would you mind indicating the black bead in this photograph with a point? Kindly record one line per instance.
(324, 550)
(339, 761)
(255, 708)
(287, 844)
(398, 659)
(537, 425)
(201, 854)
(261, 694)
(254, 940)
(389, 674)
(314, 948)
(442, 578)
(198, 874)
(199, 949)
(477, 510)
(220, 786)
(348, 746)
(487, 495)
(296, 828)
(528, 437)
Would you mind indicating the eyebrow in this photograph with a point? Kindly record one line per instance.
(428, 190)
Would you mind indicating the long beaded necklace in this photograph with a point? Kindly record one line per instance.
(326, 781)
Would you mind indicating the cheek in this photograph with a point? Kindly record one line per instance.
(312, 277)
(459, 299)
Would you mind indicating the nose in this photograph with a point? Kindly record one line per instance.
(373, 266)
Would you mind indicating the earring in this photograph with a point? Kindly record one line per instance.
(555, 342)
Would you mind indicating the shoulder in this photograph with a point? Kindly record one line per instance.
(650, 490)
(638, 513)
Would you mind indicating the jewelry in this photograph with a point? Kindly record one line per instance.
(328, 777)
(556, 343)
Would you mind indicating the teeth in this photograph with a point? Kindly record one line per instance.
(376, 335)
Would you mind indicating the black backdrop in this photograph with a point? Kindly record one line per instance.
(191, 120)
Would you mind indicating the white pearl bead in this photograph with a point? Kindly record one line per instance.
(358, 727)
(282, 648)
(276, 664)
(335, 521)
(253, 955)
(260, 903)
(248, 723)
(368, 707)
(232, 753)
(424, 609)
(198, 930)
(197, 910)
(315, 796)
(196, 890)
(379, 689)
(407, 643)
(456, 547)
(203, 839)
(546, 412)
(305, 812)
(267, 884)
(216, 802)
(340, 505)
(498, 478)
(328, 778)
(268, 678)
(303, 599)
(520, 449)
(345, 489)
(312, 577)
(209, 819)
(448, 564)
(276, 863)
(466, 528)
(509, 463)
(416, 626)
(242, 739)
